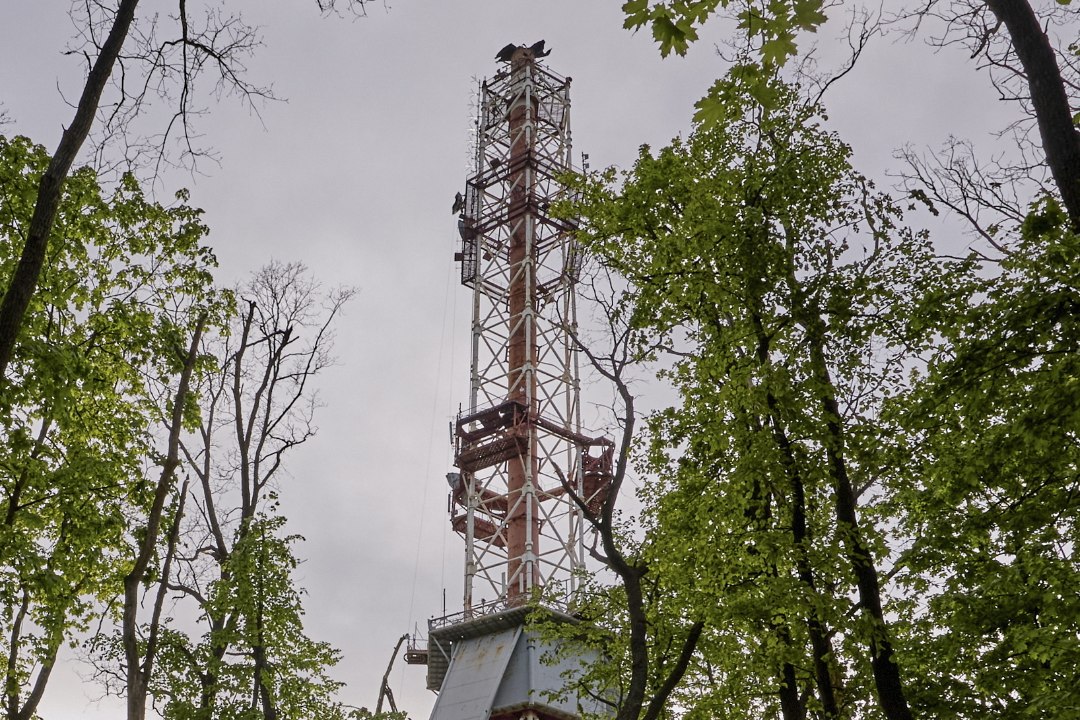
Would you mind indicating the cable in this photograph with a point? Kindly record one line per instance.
(431, 441)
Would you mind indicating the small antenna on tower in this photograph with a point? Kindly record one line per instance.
(473, 122)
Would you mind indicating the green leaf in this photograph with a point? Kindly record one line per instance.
(808, 14)
(776, 50)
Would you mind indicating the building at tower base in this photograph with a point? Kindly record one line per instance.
(495, 666)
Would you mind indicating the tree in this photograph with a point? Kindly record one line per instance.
(779, 279)
(139, 661)
(969, 464)
(216, 44)
(254, 660)
(647, 644)
(979, 477)
(985, 485)
(1029, 47)
(124, 289)
(248, 654)
(1026, 56)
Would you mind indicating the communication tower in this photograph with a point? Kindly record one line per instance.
(522, 460)
(519, 444)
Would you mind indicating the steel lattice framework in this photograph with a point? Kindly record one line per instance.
(519, 447)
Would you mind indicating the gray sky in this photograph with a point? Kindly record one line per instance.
(355, 175)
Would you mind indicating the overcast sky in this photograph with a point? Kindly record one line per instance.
(354, 175)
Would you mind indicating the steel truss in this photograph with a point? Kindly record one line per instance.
(519, 448)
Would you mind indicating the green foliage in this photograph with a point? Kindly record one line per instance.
(126, 281)
(235, 646)
(267, 648)
(597, 651)
(123, 284)
(771, 28)
(782, 280)
(990, 489)
(675, 24)
(365, 714)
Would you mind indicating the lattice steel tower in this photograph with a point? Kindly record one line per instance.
(523, 462)
(519, 446)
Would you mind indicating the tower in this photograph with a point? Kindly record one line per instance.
(523, 463)
(519, 446)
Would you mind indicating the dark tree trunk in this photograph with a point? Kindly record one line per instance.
(630, 708)
(262, 687)
(24, 280)
(890, 689)
(1060, 139)
(791, 707)
(139, 668)
(800, 538)
(633, 705)
(655, 707)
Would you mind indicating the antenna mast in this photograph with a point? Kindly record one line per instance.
(519, 445)
(523, 462)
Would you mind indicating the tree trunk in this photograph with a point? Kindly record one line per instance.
(25, 278)
(1060, 139)
(632, 705)
(800, 538)
(791, 707)
(138, 668)
(891, 696)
